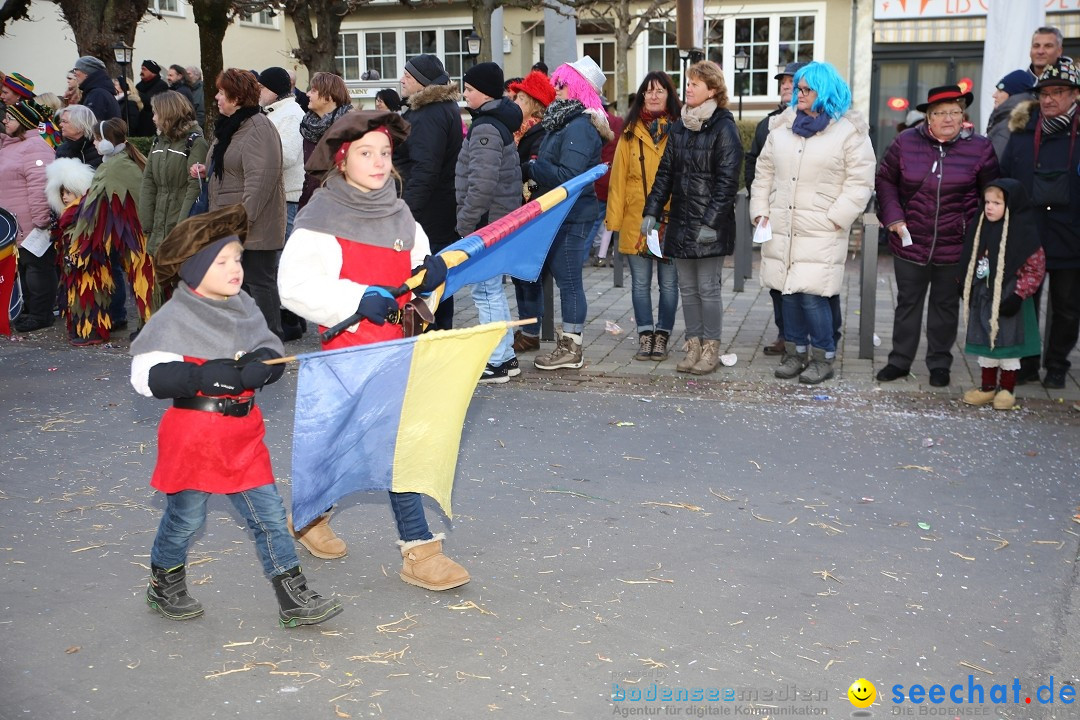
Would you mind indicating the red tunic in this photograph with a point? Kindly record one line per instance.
(210, 452)
(371, 265)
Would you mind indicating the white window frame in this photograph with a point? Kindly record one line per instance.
(255, 20)
(440, 26)
(155, 7)
(774, 12)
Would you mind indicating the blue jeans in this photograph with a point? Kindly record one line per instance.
(702, 305)
(409, 516)
(491, 306)
(530, 304)
(564, 262)
(641, 272)
(261, 508)
(778, 315)
(290, 216)
(809, 316)
(118, 301)
(593, 240)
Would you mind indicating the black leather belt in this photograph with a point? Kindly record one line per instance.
(229, 407)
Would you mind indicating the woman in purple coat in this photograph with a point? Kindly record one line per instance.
(928, 189)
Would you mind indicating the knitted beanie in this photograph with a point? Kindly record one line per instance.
(487, 77)
(20, 85)
(428, 70)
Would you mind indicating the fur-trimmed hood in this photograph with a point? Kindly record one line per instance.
(599, 120)
(1022, 114)
(66, 173)
(787, 119)
(433, 94)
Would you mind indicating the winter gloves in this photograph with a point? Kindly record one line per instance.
(215, 378)
(648, 224)
(376, 304)
(1010, 305)
(434, 268)
(254, 373)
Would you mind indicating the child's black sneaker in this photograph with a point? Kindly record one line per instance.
(513, 368)
(494, 374)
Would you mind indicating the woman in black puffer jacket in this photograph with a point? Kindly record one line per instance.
(700, 174)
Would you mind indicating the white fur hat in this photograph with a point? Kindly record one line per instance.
(67, 173)
(587, 68)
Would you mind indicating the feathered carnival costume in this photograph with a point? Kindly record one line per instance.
(107, 225)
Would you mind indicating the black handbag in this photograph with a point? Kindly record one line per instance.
(202, 203)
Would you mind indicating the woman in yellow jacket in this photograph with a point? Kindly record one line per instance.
(654, 107)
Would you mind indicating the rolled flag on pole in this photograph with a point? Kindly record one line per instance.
(10, 292)
(514, 245)
(384, 416)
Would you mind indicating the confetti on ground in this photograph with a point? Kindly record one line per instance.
(403, 625)
(728, 499)
(973, 666)
(470, 605)
(652, 664)
(384, 657)
(924, 468)
(761, 517)
(681, 506)
(827, 575)
(962, 557)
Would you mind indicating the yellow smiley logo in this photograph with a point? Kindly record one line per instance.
(862, 693)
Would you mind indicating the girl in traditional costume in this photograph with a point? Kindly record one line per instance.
(1005, 265)
(353, 239)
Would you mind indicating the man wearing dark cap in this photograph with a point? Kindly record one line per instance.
(1010, 91)
(787, 84)
(148, 86)
(426, 160)
(1042, 155)
(97, 89)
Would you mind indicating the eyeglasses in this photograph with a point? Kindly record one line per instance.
(950, 114)
(656, 91)
(803, 90)
(560, 85)
(1047, 94)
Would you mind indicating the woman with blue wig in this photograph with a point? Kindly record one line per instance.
(814, 178)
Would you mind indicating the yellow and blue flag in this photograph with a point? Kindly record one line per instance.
(518, 243)
(385, 416)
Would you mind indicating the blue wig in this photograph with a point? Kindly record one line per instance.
(833, 94)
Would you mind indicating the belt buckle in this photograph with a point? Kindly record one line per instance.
(235, 408)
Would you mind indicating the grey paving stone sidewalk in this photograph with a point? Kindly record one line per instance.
(748, 327)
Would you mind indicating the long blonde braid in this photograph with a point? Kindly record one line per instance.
(971, 267)
(998, 277)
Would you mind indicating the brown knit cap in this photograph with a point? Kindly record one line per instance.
(193, 234)
(349, 127)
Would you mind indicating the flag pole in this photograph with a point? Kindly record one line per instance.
(291, 358)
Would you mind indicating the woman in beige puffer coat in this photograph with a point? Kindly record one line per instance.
(814, 177)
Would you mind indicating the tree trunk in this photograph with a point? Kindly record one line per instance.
(98, 24)
(317, 24)
(481, 20)
(212, 17)
(622, 71)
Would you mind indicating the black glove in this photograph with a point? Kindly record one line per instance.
(254, 373)
(706, 235)
(526, 170)
(173, 380)
(1010, 305)
(219, 377)
(434, 268)
(376, 304)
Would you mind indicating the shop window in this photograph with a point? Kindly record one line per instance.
(347, 57)
(380, 50)
(663, 50)
(167, 7)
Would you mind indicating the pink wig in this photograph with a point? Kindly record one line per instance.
(577, 87)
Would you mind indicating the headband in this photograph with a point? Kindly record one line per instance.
(339, 156)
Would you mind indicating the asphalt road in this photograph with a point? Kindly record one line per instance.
(778, 543)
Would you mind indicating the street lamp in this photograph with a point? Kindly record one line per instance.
(122, 53)
(742, 61)
(474, 42)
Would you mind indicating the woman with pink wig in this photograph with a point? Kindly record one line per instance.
(577, 129)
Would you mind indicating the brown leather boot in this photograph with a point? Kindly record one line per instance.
(693, 354)
(319, 538)
(710, 358)
(425, 565)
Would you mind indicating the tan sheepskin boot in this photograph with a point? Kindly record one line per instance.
(319, 538)
(425, 565)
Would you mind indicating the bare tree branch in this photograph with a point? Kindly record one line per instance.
(11, 10)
